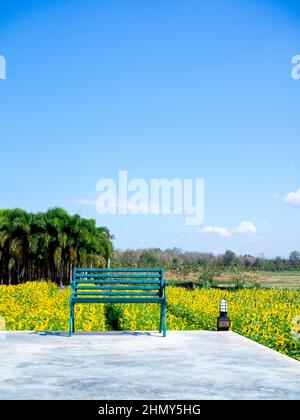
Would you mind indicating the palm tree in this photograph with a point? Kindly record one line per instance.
(48, 245)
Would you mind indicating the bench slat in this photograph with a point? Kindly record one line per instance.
(116, 294)
(117, 282)
(119, 270)
(124, 287)
(117, 276)
(116, 300)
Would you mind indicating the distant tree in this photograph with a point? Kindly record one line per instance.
(229, 258)
(185, 262)
(148, 258)
(129, 258)
(248, 261)
(279, 264)
(295, 256)
(295, 260)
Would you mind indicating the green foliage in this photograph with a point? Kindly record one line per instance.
(229, 258)
(183, 263)
(206, 280)
(46, 245)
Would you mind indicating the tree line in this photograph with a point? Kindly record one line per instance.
(45, 245)
(185, 262)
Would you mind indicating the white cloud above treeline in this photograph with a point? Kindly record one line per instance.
(293, 198)
(220, 231)
(245, 228)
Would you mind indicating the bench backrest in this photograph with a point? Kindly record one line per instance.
(114, 283)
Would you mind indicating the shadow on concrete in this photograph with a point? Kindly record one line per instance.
(95, 333)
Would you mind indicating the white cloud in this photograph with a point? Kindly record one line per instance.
(220, 231)
(246, 228)
(293, 198)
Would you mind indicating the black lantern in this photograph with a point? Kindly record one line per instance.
(223, 320)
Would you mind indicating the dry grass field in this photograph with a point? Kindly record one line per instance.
(282, 280)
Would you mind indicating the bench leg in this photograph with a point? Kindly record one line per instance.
(164, 316)
(71, 320)
(161, 319)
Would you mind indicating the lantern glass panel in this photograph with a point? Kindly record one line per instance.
(224, 305)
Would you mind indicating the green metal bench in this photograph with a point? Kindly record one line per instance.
(118, 285)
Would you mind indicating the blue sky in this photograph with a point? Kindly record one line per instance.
(174, 89)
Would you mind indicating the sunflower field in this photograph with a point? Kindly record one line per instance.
(270, 317)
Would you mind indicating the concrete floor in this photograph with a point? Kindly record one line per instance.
(185, 365)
